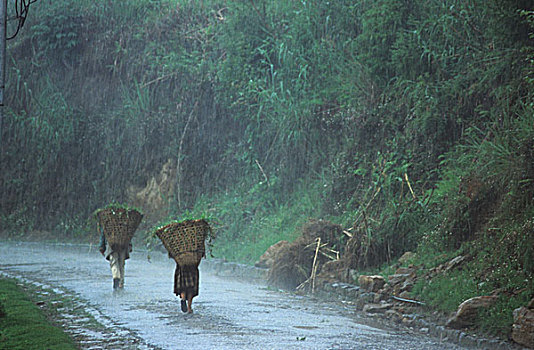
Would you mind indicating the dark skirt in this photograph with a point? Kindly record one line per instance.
(186, 280)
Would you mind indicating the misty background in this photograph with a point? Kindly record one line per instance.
(409, 123)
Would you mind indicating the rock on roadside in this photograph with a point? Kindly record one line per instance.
(371, 283)
(523, 327)
(468, 311)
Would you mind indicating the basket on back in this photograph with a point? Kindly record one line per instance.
(119, 225)
(185, 240)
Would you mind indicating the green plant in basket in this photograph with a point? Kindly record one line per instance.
(120, 207)
(185, 235)
(118, 222)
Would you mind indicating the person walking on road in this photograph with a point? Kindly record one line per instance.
(185, 243)
(186, 282)
(117, 257)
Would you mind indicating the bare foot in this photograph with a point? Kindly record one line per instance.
(190, 304)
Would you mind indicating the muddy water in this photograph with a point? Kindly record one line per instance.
(228, 314)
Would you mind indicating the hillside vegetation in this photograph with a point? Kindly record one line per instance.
(409, 123)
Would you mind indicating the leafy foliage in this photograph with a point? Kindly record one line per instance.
(410, 123)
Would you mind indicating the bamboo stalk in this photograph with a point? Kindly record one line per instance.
(314, 243)
(328, 256)
(367, 205)
(303, 284)
(409, 185)
(333, 251)
(263, 172)
(314, 265)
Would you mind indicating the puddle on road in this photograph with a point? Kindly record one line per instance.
(306, 327)
(18, 265)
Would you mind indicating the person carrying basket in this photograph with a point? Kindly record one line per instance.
(186, 282)
(185, 243)
(117, 226)
(117, 257)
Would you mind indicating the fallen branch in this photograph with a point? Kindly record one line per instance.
(328, 256)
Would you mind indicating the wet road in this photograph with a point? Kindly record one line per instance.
(229, 313)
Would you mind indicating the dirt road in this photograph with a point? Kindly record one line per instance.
(229, 313)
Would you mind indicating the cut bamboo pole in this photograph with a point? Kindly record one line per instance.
(314, 265)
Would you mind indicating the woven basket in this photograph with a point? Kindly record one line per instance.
(185, 240)
(119, 225)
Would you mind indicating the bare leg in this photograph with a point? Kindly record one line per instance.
(122, 262)
(189, 304)
(117, 262)
(183, 302)
(114, 259)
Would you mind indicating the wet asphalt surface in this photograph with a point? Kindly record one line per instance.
(229, 313)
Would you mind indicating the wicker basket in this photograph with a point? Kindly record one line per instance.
(185, 240)
(119, 225)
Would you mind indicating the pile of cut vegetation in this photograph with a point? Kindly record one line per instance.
(296, 264)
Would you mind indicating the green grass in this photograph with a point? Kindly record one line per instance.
(498, 319)
(23, 325)
(446, 292)
(499, 262)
